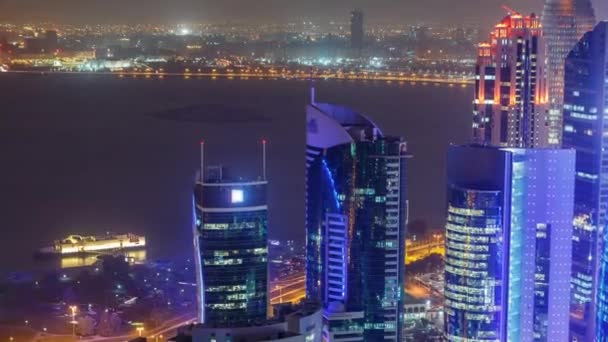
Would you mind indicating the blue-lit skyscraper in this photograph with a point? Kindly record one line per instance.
(356, 215)
(585, 127)
(231, 250)
(508, 250)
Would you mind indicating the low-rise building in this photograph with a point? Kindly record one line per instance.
(302, 324)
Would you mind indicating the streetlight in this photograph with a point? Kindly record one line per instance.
(139, 330)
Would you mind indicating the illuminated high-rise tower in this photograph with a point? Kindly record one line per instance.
(510, 90)
(508, 244)
(585, 127)
(231, 249)
(564, 22)
(356, 216)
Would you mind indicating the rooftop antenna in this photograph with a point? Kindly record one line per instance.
(264, 159)
(202, 161)
(312, 86)
(509, 9)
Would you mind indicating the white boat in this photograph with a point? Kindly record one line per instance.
(77, 244)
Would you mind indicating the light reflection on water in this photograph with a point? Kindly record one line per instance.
(68, 262)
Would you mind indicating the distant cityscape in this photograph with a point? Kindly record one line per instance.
(522, 256)
(293, 50)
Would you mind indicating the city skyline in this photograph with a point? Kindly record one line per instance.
(271, 11)
(469, 202)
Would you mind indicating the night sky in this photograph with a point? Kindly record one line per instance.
(172, 11)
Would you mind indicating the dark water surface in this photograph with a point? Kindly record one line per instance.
(83, 154)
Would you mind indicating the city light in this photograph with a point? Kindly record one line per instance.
(237, 196)
(74, 322)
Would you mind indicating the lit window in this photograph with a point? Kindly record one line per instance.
(237, 196)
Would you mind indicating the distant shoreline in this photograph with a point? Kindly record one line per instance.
(256, 76)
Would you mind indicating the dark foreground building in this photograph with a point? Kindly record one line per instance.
(231, 252)
(301, 323)
(356, 215)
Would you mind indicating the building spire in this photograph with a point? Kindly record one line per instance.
(202, 161)
(509, 10)
(312, 86)
(264, 159)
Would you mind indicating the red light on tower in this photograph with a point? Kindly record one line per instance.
(264, 158)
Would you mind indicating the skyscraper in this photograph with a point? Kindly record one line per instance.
(357, 32)
(231, 249)
(356, 214)
(508, 244)
(564, 22)
(585, 126)
(509, 108)
(51, 40)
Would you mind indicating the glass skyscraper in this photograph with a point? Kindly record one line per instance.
(509, 108)
(231, 251)
(585, 127)
(508, 244)
(564, 23)
(356, 215)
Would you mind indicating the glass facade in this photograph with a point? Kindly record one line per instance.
(515, 235)
(585, 104)
(356, 203)
(542, 279)
(474, 271)
(564, 22)
(508, 244)
(231, 225)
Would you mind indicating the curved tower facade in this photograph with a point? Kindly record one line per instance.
(356, 216)
(231, 252)
(564, 23)
(472, 277)
(508, 244)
